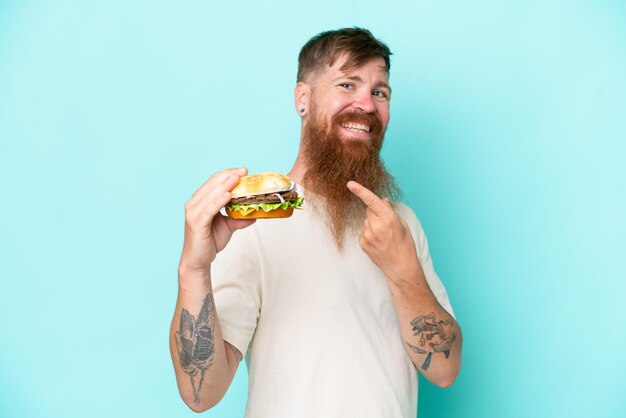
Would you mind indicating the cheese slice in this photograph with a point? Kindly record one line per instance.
(244, 212)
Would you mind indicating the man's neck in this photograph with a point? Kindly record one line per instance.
(299, 168)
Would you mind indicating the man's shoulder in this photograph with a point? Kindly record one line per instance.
(404, 211)
(409, 216)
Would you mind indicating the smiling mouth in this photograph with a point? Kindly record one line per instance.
(357, 127)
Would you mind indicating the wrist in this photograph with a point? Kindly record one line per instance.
(405, 274)
(408, 281)
(191, 277)
(403, 280)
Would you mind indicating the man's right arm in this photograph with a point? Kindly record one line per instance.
(204, 363)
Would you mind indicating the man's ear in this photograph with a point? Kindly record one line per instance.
(302, 98)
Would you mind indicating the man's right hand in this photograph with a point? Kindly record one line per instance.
(207, 231)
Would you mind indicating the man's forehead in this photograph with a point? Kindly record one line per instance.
(338, 68)
(342, 63)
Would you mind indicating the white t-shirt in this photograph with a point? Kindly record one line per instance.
(318, 327)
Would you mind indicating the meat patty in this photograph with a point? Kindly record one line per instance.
(265, 198)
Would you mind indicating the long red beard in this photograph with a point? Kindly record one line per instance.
(332, 162)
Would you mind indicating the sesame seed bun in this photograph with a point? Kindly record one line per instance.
(261, 183)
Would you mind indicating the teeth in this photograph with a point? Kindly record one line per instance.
(357, 127)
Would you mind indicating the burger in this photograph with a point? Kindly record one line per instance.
(264, 195)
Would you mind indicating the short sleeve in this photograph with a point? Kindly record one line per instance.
(236, 288)
(421, 244)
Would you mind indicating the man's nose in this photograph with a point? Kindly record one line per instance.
(365, 102)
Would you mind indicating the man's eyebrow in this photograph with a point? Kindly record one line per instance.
(383, 84)
(354, 78)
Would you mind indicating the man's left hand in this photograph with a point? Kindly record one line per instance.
(386, 238)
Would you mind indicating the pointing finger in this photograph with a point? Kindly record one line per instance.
(368, 197)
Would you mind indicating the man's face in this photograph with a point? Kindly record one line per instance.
(354, 105)
(342, 138)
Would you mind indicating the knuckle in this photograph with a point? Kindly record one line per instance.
(363, 242)
(191, 219)
(379, 227)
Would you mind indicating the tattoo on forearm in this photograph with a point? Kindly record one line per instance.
(434, 336)
(195, 341)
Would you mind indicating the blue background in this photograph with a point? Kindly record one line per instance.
(507, 134)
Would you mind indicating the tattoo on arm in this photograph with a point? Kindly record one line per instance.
(195, 341)
(434, 336)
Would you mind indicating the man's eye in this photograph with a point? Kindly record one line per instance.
(346, 85)
(379, 93)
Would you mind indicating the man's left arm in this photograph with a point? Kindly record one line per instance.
(432, 337)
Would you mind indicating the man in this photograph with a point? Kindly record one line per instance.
(337, 307)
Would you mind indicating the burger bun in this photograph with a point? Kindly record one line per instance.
(260, 214)
(261, 183)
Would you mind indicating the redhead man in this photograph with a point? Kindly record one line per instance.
(337, 308)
